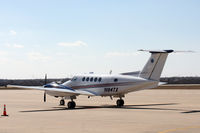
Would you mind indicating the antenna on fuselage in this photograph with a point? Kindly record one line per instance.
(110, 72)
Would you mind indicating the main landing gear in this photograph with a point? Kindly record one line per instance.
(71, 105)
(62, 102)
(120, 102)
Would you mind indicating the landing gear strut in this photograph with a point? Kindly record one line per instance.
(120, 102)
(71, 105)
(62, 102)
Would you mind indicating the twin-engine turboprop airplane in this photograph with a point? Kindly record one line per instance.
(108, 85)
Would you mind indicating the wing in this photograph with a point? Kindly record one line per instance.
(62, 90)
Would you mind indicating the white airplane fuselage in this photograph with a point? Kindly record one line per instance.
(107, 85)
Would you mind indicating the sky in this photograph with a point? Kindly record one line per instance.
(67, 37)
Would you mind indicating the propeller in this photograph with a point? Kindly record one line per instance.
(44, 96)
(45, 82)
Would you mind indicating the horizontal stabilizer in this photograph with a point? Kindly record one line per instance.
(136, 73)
(167, 51)
(157, 51)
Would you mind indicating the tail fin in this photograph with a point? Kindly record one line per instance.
(153, 68)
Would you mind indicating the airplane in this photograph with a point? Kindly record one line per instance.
(108, 84)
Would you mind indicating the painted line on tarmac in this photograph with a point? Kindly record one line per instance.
(179, 129)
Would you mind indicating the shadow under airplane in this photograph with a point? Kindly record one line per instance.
(192, 111)
(133, 107)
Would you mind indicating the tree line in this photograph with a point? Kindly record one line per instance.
(40, 82)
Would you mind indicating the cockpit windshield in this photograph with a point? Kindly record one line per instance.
(74, 79)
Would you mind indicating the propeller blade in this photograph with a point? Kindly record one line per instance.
(45, 79)
(45, 96)
(45, 82)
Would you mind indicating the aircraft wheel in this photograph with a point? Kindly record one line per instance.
(71, 105)
(62, 102)
(120, 102)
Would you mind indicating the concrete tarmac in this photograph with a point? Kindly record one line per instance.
(147, 111)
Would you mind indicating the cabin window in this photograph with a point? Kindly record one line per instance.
(99, 79)
(116, 80)
(87, 79)
(83, 79)
(91, 79)
(95, 79)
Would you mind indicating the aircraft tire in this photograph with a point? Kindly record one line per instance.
(62, 102)
(120, 102)
(71, 105)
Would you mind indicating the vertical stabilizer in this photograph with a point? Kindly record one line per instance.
(153, 68)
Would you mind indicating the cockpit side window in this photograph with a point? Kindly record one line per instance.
(87, 79)
(83, 79)
(91, 79)
(74, 78)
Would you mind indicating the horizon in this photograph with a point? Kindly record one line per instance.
(51, 78)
